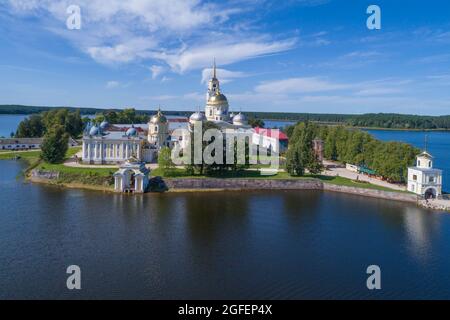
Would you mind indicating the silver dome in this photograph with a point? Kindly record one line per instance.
(94, 131)
(104, 125)
(240, 118)
(198, 116)
(132, 132)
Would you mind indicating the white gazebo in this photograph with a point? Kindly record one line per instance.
(132, 177)
(423, 179)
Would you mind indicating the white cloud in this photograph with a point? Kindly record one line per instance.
(125, 52)
(176, 32)
(112, 84)
(163, 97)
(156, 71)
(299, 85)
(153, 15)
(438, 58)
(361, 54)
(225, 52)
(377, 91)
(194, 96)
(225, 76)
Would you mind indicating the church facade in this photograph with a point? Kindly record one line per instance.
(109, 144)
(103, 146)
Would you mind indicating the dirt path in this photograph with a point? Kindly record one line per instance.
(336, 169)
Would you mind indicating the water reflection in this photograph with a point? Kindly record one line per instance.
(217, 245)
(420, 229)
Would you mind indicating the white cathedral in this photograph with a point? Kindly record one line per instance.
(115, 144)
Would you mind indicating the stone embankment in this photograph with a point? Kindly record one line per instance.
(244, 184)
(214, 184)
(44, 175)
(283, 184)
(437, 204)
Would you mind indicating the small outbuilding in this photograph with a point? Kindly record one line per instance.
(132, 177)
(423, 179)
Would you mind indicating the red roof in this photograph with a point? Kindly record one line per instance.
(178, 120)
(272, 133)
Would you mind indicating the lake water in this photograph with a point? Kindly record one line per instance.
(240, 245)
(278, 123)
(9, 123)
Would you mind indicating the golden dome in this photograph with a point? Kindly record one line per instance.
(158, 118)
(218, 99)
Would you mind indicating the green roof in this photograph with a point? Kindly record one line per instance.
(366, 170)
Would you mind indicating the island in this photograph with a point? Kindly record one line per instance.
(130, 152)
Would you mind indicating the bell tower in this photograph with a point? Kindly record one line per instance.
(213, 85)
(216, 108)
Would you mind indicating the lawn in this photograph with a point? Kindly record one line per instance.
(32, 155)
(72, 170)
(104, 176)
(88, 176)
(25, 155)
(351, 183)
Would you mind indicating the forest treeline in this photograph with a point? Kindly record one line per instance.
(348, 145)
(38, 125)
(372, 120)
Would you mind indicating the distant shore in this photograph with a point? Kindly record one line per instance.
(400, 129)
(380, 121)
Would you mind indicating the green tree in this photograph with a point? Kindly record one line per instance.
(55, 145)
(99, 118)
(31, 127)
(73, 123)
(255, 122)
(330, 149)
(294, 163)
(389, 159)
(165, 163)
(200, 168)
(300, 154)
(112, 117)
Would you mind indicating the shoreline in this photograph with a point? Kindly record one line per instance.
(266, 119)
(189, 185)
(81, 186)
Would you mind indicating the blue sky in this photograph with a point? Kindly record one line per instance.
(313, 56)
